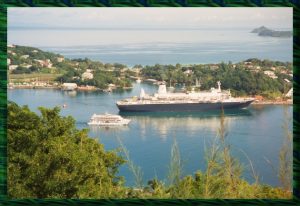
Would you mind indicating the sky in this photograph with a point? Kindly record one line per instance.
(149, 18)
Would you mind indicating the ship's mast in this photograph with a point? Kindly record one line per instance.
(219, 86)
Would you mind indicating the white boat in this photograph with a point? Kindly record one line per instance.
(108, 120)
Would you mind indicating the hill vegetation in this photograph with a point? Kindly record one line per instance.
(270, 79)
(29, 60)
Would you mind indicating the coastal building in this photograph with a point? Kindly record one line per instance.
(69, 86)
(11, 46)
(12, 67)
(288, 81)
(26, 65)
(248, 63)
(270, 74)
(24, 56)
(214, 67)
(35, 51)
(136, 70)
(290, 93)
(60, 59)
(188, 72)
(11, 52)
(87, 75)
(44, 63)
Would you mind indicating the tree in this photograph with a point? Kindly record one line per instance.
(50, 158)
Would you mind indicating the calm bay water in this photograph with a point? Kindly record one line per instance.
(148, 47)
(257, 131)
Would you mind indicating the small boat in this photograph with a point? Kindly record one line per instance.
(108, 120)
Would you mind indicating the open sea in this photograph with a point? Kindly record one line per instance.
(162, 46)
(256, 131)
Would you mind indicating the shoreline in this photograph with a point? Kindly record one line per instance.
(264, 102)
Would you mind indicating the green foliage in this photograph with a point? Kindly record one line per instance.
(240, 80)
(50, 158)
(136, 170)
(175, 167)
(21, 70)
(286, 155)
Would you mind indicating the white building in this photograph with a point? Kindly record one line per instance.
(8, 61)
(87, 75)
(290, 93)
(60, 59)
(12, 67)
(26, 65)
(69, 86)
(270, 74)
(44, 63)
(188, 72)
(24, 56)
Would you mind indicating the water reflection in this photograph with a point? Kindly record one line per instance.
(97, 128)
(165, 123)
(72, 93)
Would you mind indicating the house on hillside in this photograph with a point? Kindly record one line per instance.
(60, 59)
(270, 74)
(24, 56)
(290, 93)
(44, 63)
(87, 75)
(12, 67)
(188, 72)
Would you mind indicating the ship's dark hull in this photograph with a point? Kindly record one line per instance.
(183, 107)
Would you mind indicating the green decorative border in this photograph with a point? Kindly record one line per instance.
(145, 3)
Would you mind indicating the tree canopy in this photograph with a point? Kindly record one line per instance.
(49, 158)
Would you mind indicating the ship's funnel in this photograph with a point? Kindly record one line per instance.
(219, 86)
(162, 89)
(142, 94)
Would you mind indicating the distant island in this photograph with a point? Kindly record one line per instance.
(264, 31)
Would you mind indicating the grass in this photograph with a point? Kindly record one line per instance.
(32, 77)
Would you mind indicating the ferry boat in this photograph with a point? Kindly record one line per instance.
(164, 101)
(108, 120)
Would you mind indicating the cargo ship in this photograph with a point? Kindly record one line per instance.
(164, 101)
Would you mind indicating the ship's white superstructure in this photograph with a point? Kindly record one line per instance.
(108, 120)
(164, 101)
(162, 96)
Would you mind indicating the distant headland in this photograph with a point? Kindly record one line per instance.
(264, 31)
